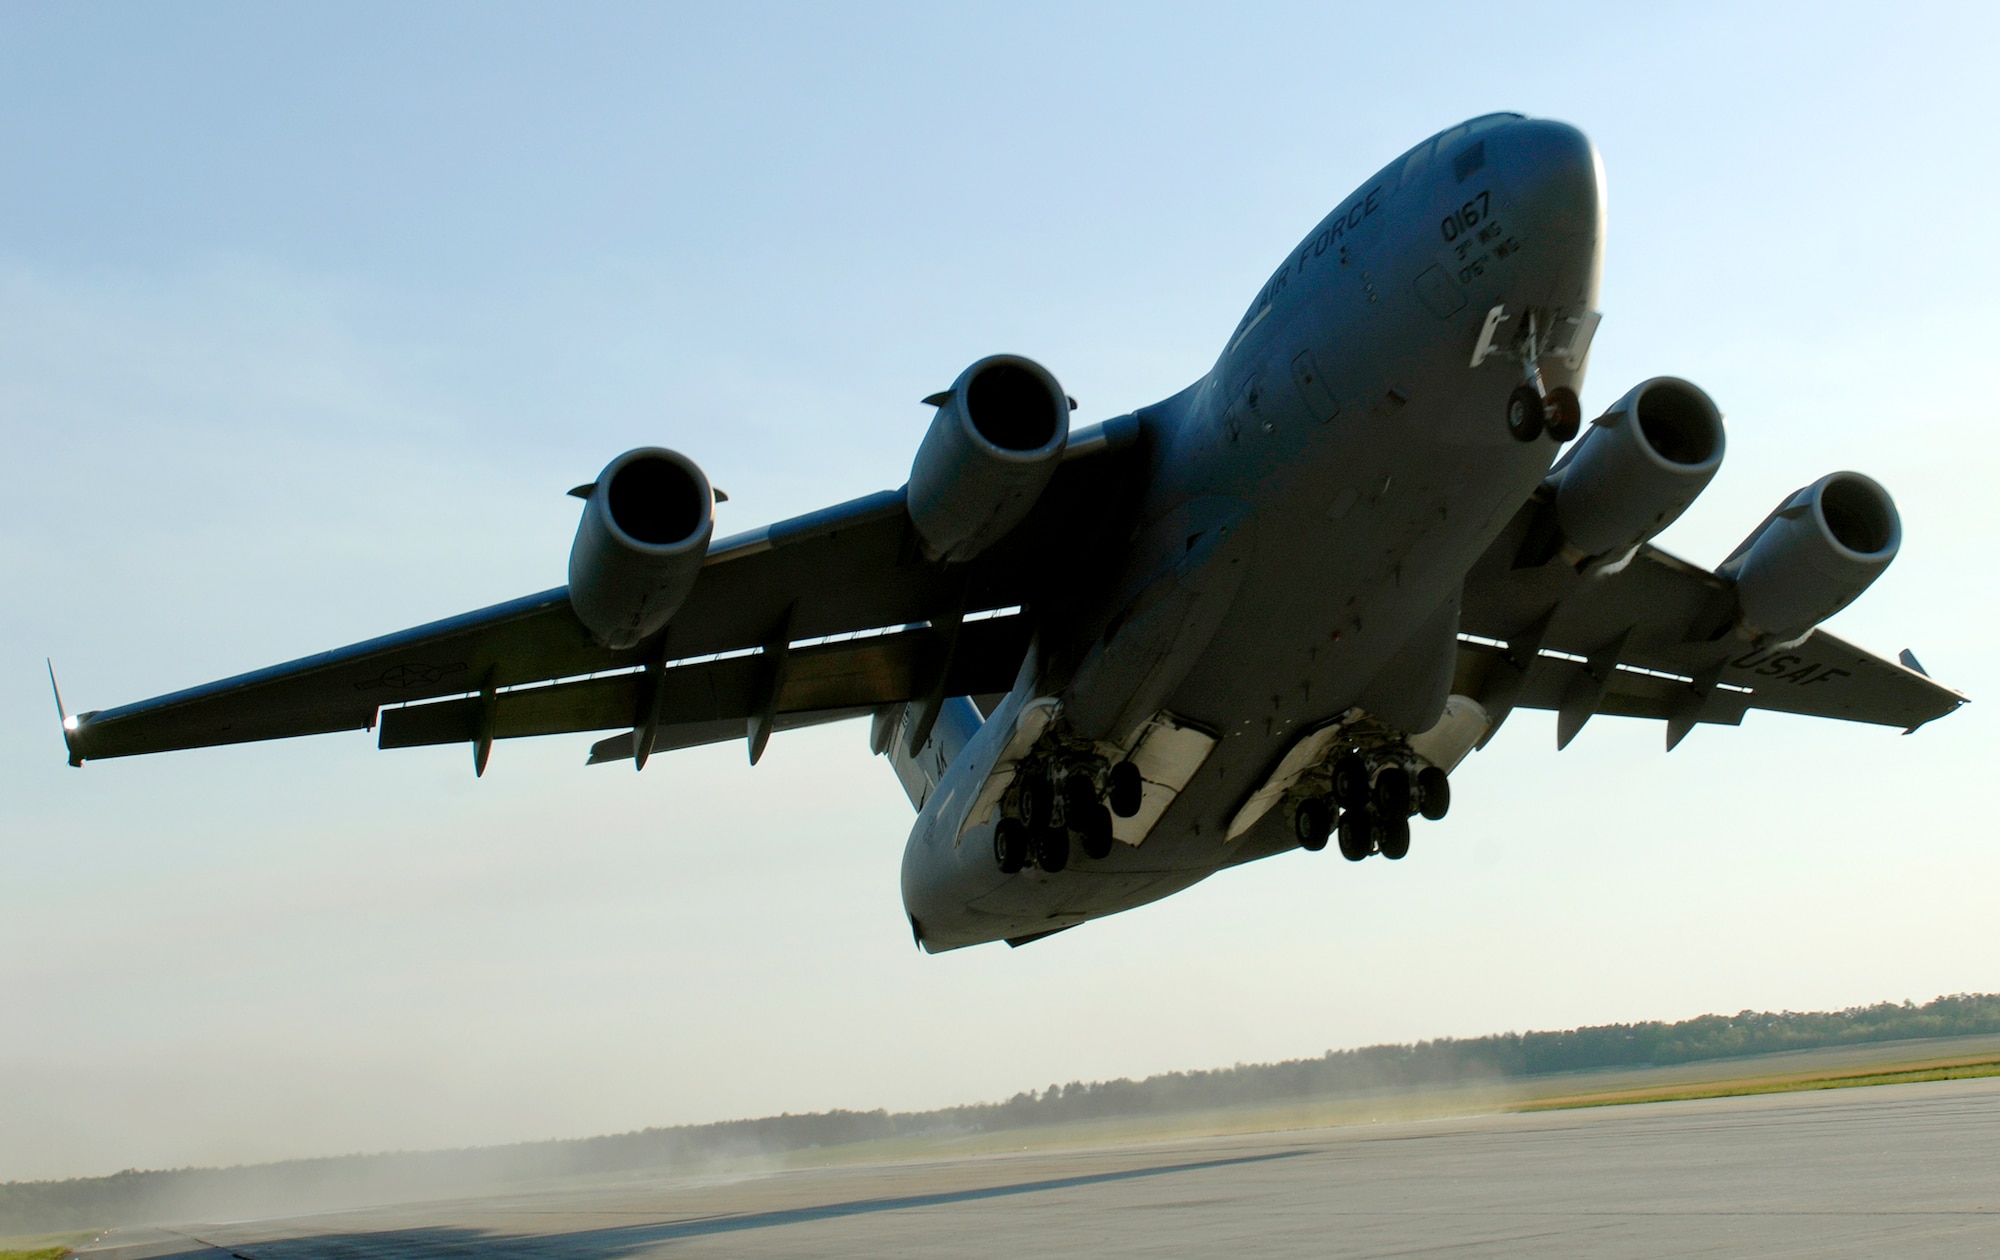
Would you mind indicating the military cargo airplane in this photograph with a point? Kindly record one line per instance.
(1273, 610)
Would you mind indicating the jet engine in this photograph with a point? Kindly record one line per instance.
(645, 531)
(1638, 467)
(997, 437)
(1814, 555)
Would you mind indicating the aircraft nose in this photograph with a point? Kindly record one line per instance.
(1556, 175)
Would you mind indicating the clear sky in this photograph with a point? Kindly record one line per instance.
(308, 317)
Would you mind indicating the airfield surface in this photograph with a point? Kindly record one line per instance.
(1905, 1170)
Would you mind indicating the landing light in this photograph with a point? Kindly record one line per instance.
(69, 723)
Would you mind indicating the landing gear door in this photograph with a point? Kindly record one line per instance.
(1168, 754)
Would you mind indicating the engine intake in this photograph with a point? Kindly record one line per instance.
(644, 534)
(1814, 555)
(1639, 467)
(996, 440)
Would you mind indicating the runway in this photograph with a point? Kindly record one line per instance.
(1904, 1170)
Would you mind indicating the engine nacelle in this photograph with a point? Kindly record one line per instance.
(997, 437)
(1638, 467)
(644, 534)
(1814, 555)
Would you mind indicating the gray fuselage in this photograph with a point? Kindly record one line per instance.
(1336, 474)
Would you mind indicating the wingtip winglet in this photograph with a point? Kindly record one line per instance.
(68, 725)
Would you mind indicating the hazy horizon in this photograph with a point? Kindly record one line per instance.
(309, 318)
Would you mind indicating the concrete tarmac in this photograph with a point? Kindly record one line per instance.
(1896, 1170)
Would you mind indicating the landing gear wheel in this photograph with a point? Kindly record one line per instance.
(1565, 413)
(1392, 794)
(1010, 845)
(1525, 414)
(1036, 798)
(1350, 781)
(1052, 849)
(1357, 834)
(1092, 825)
(1126, 790)
(1079, 794)
(1312, 823)
(1393, 838)
(1433, 793)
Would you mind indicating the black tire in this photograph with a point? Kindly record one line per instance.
(1312, 823)
(1010, 845)
(1357, 834)
(1092, 826)
(1565, 413)
(1350, 782)
(1433, 793)
(1079, 793)
(1036, 799)
(1126, 791)
(1392, 836)
(1525, 414)
(1391, 798)
(1052, 849)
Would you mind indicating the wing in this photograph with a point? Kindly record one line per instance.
(1653, 637)
(818, 618)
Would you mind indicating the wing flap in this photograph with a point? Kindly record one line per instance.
(1627, 692)
(705, 701)
(1661, 628)
(619, 747)
(520, 641)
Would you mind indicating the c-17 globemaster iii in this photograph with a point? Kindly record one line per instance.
(1274, 609)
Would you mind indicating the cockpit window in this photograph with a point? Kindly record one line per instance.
(1415, 165)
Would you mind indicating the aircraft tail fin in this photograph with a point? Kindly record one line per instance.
(956, 722)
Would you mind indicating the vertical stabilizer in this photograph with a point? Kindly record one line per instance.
(957, 721)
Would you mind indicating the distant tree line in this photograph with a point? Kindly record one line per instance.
(300, 1186)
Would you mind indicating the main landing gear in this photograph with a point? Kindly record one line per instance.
(1053, 810)
(1368, 810)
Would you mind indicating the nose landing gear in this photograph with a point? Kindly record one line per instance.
(1525, 414)
(1565, 413)
(1533, 408)
(1530, 412)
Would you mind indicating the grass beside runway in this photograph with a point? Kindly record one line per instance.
(1831, 1068)
(43, 1246)
(1899, 1074)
